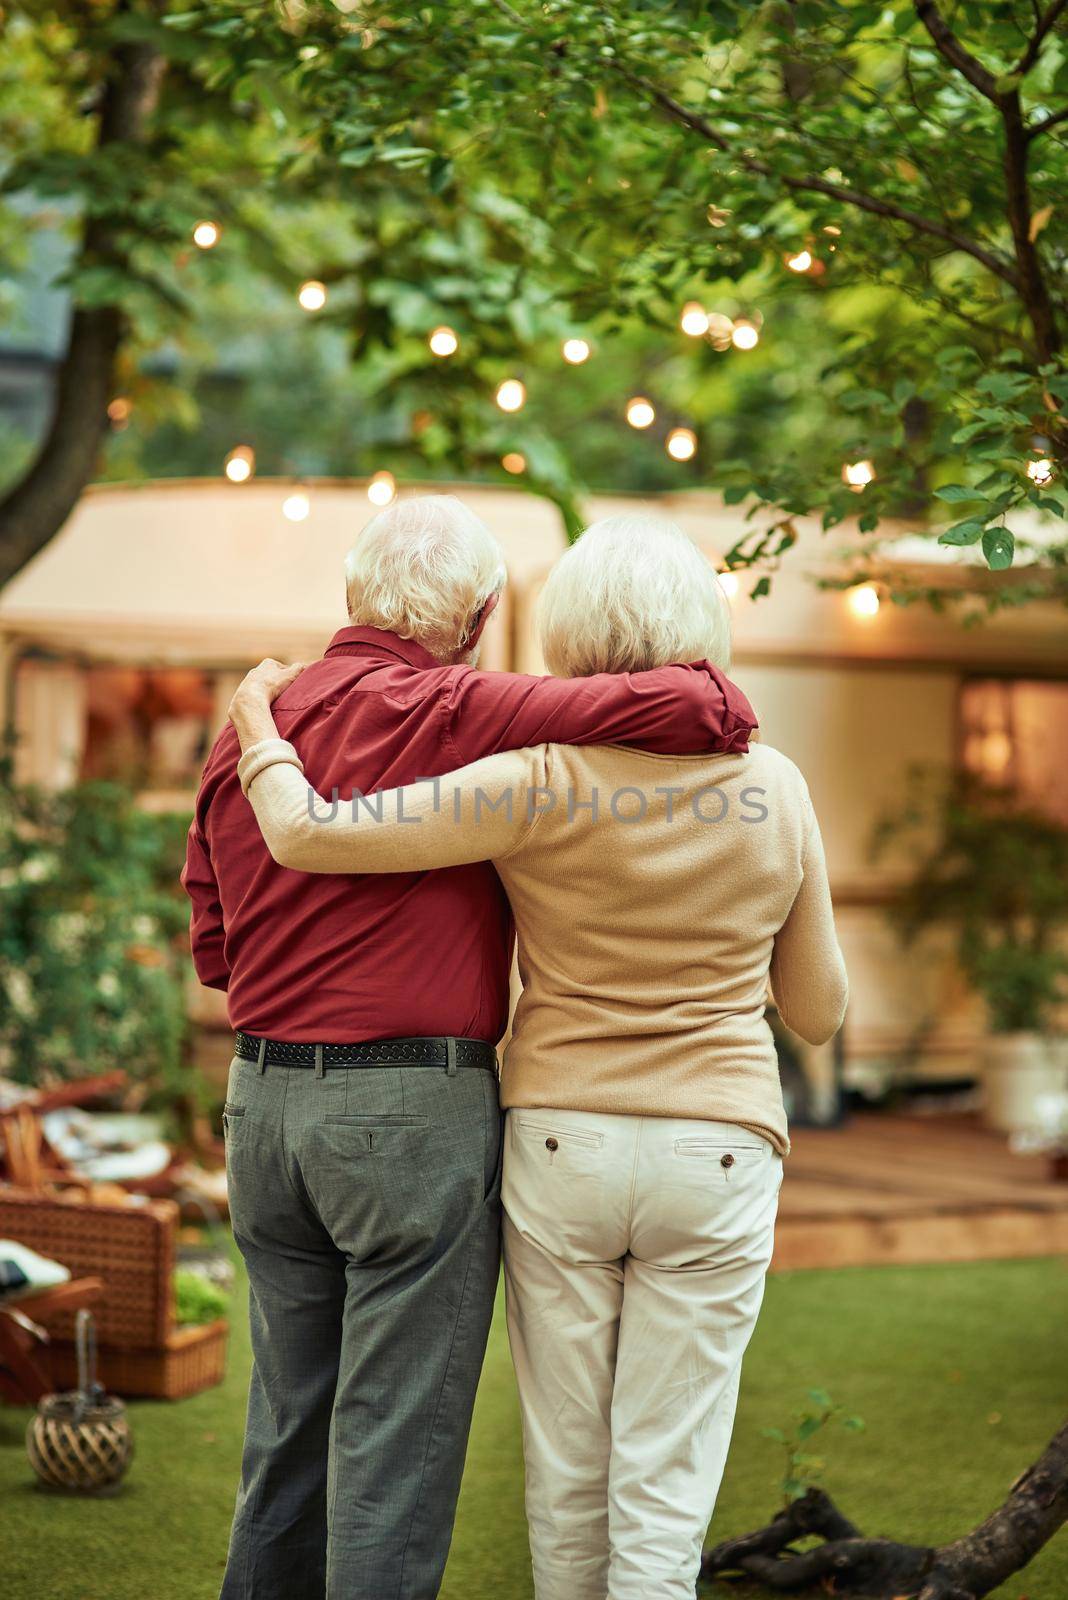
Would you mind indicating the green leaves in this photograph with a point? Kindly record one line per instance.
(998, 547)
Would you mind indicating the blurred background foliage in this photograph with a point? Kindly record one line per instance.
(874, 191)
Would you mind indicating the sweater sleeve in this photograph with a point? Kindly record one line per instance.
(482, 812)
(808, 975)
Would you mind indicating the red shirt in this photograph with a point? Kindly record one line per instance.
(324, 959)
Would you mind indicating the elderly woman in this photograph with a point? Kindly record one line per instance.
(654, 897)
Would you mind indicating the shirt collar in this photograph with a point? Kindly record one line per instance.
(376, 641)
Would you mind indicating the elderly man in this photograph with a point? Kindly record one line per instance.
(362, 1121)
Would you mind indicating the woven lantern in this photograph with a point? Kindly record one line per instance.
(81, 1441)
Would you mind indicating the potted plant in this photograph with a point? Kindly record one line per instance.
(996, 873)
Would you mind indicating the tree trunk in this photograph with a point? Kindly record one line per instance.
(848, 1564)
(36, 507)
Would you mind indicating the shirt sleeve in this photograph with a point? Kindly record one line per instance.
(206, 930)
(808, 975)
(677, 710)
(481, 813)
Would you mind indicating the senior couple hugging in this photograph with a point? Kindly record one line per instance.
(658, 872)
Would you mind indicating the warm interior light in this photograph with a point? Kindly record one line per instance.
(744, 335)
(240, 463)
(382, 489)
(296, 507)
(206, 235)
(864, 600)
(576, 351)
(312, 295)
(694, 319)
(1040, 472)
(858, 474)
(443, 342)
(728, 582)
(511, 395)
(802, 262)
(681, 444)
(514, 462)
(640, 412)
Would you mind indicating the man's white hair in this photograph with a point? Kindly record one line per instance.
(423, 569)
(633, 593)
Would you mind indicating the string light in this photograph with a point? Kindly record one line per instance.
(382, 489)
(240, 463)
(119, 411)
(864, 600)
(858, 474)
(720, 330)
(206, 235)
(802, 262)
(511, 395)
(1040, 472)
(681, 444)
(296, 507)
(443, 342)
(514, 463)
(694, 320)
(640, 412)
(312, 295)
(745, 335)
(728, 582)
(575, 351)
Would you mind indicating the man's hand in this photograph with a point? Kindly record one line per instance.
(250, 708)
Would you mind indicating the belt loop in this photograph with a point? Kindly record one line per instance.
(319, 1071)
(261, 1056)
(450, 1057)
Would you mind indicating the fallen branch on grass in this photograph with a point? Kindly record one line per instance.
(847, 1563)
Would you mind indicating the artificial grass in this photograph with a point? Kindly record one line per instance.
(959, 1372)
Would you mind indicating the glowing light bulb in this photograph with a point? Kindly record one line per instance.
(640, 412)
(119, 411)
(694, 320)
(312, 295)
(575, 351)
(206, 235)
(864, 600)
(745, 335)
(443, 342)
(511, 395)
(1040, 472)
(382, 489)
(681, 444)
(728, 582)
(296, 507)
(240, 463)
(858, 474)
(514, 462)
(802, 262)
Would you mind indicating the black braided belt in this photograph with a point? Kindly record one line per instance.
(435, 1052)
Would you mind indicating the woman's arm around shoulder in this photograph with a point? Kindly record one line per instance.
(481, 812)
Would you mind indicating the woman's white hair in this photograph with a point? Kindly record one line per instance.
(633, 593)
(423, 569)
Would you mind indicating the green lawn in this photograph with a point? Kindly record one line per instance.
(961, 1374)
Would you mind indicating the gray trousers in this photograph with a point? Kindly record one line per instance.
(366, 1203)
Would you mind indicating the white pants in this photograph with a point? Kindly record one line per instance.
(635, 1250)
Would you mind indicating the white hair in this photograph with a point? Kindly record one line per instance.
(633, 593)
(423, 569)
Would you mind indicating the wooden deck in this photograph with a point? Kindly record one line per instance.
(894, 1189)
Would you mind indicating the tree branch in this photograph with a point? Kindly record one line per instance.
(1052, 121)
(40, 502)
(950, 47)
(1034, 48)
(995, 263)
(1033, 286)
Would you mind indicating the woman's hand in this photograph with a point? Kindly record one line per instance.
(250, 708)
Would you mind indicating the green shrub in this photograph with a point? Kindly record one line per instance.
(196, 1300)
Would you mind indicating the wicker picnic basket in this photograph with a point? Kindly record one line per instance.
(132, 1247)
(190, 1359)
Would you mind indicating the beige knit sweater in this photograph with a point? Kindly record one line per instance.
(647, 931)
